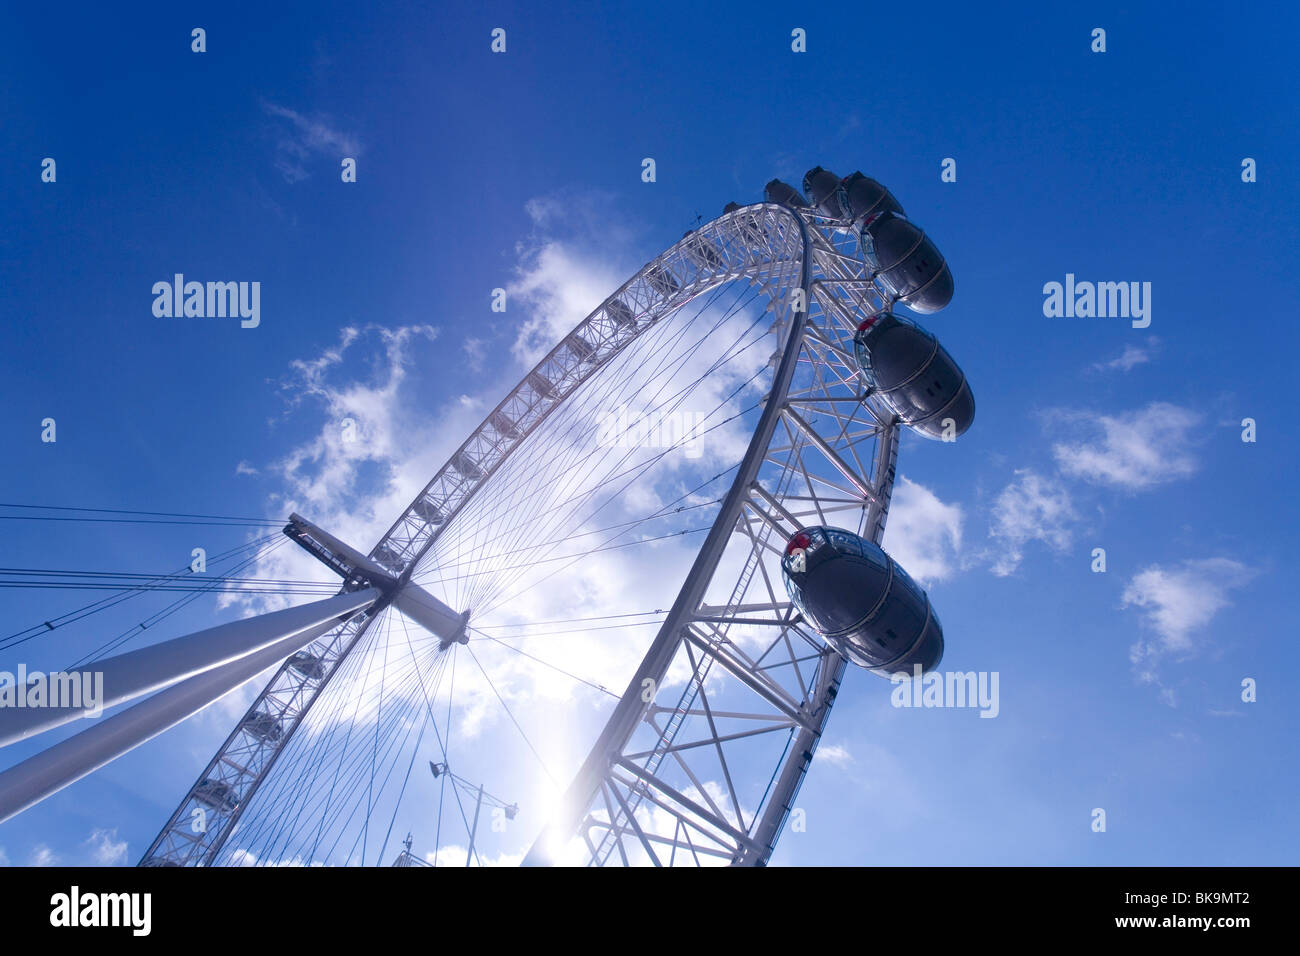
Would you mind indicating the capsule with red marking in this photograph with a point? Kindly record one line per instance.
(861, 601)
(915, 376)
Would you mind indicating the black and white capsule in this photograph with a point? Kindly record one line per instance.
(861, 601)
(915, 376)
(907, 261)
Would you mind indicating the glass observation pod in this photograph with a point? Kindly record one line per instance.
(915, 376)
(582, 348)
(861, 601)
(822, 187)
(907, 262)
(861, 197)
(466, 466)
(541, 385)
(427, 510)
(263, 726)
(783, 193)
(504, 426)
(388, 558)
(617, 310)
(662, 281)
(702, 253)
(217, 795)
(308, 665)
(752, 227)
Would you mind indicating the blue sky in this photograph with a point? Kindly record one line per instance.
(523, 170)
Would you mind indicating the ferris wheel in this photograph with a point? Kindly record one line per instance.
(738, 400)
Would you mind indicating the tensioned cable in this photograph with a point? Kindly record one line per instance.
(569, 620)
(103, 604)
(509, 714)
(515, 594)
(645, 466)
(440, 662)
(573, 412)
(578, 630)
(265, 549)
(302, 778)
(200, 518)
(266, 588)
(315, 802)
(591, 492)
(350, 774)
(446, 755)
(136, 576)
(561, 670)
(541, 449)
(504, 501)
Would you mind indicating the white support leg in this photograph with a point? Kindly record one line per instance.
(127, 676)
(68, 761)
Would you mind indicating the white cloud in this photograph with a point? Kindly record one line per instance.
(1129, 359)
(369, 455)
(1031, 508)
(578, 253)
(836, 754)
(556, 287)
(1135, 450)
(42, 855)
(453, 855)
(105, 849)
(475, 350)
(303, 137)
(244, 468)
(923, 533)
(1177, 603)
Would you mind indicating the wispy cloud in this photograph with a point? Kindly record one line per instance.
(1176, 604)
(1135, 451)
(1032, 507)
(305, 137)
(836, 754)
(924, 534)
(367, 458)
(555, 288)
(1130, 358)
(42, 855)
(475, 350)
(105, 849)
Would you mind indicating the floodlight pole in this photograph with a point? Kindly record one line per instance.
(473, 830)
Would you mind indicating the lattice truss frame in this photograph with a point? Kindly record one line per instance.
(830, 458)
